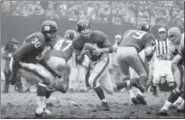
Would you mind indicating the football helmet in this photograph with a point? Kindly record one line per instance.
(70, 34)
(144, 27)
(174, 35)
(49, 27)
(82, 25)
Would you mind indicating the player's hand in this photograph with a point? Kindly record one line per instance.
(81, 56)
(97, 52)
(9, 55)
(85, 52)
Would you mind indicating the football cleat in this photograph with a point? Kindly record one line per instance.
(180, 111)
(104, 107)
(135, 101)
(163, 112)
(40, 112)
(136, 84)
(141, 99)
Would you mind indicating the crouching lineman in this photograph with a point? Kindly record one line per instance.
(134, 41)
(177, 96)
(96, 46)
(25, 61)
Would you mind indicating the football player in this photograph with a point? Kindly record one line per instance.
(61, 53)
(175, 36)
(10, 47)
(134, 41)
(25, 60)
(114, 68)
(96, 46)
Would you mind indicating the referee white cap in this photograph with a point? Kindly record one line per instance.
(161, 30)
(118, 36)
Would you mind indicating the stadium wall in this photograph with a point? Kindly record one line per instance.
(19, 27)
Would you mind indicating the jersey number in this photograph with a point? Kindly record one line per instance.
(138, 34)
(59, 44)
(36, 42)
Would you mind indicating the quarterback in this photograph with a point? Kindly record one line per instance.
(96, 46)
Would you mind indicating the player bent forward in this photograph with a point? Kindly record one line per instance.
(176, 96)
(96, 46)
(134, 41)
(25, 60)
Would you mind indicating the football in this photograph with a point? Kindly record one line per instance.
(89, 46)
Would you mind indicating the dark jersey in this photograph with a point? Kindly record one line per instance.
(62, 48)
(32, 47)
(96, 38)
(138, 39)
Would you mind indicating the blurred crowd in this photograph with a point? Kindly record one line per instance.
(163, 13)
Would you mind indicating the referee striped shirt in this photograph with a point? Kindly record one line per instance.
(163, 48)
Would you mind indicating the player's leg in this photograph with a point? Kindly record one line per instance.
(179, 100)
(98, 70)
(156, 78)
(124, 68)
(31, 75)
(122, 58)
(175, 93)
(82, 85)
(7, 83)
(60, 64)
(106, 82)
(18, 83)
(73, 84)
(39, 75)
(137, 64)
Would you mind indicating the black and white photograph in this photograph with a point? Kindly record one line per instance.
(82, 59)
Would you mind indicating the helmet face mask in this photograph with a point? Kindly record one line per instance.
(49, 28)
(175, 39)
(174, 35)
(85, 32)
(51, 35)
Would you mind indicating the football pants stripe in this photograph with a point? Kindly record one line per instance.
(100, 73)
(27, 69)
(142, 63)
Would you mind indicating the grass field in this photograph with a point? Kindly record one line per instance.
(83, 105)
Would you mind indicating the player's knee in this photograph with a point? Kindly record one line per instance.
(92, 83)
(41, 89)
(61, 86)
